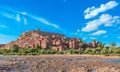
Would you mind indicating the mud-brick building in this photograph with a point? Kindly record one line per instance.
(47, 40)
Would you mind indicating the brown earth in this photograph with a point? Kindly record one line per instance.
(58, 63)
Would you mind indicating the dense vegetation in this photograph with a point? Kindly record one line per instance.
(100, 50)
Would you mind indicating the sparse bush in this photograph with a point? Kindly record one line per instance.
(59, 52)
(108, 50)
(104, 51)
(80, 51)
(117, 51)
(88, 51)
(73, 51)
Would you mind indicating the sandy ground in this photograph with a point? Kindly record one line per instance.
(59, 63)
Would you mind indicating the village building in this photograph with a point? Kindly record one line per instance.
(48, 40)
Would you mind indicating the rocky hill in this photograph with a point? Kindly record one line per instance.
(46, 40)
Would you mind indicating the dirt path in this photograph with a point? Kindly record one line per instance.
(58, 63)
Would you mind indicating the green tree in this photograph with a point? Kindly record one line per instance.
(14, 49)
(97, 50)
(88, 51)
(73, 51)
(101, 45)
(104, 51)
(23, 51)
(4, 51)
(80, 45)
(111, 50)
(60, 52)
(112, 44)
(38, 47)
(117, 51)
(80, 50)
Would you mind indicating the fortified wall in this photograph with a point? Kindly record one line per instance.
(47, 40)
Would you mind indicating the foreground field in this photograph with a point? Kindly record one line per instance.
(59, 63)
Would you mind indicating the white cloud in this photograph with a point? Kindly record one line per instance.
(100, 32)
(5, 14)
(78, 30)
(13, 16)
(93, 11)
(3, 26)
(105, 19)
(84, 38)
(18, 19)
(24, 20)
(24, 13)
(44, 21)
(55, 26)
(18, 14)
(40, 19)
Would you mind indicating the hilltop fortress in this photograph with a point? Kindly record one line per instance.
(48, 40)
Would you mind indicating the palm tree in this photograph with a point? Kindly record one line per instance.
(15, 48)
(80, 45)
(101, 45)
(112, 44)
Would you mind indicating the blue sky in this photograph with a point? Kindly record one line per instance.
(86, 19)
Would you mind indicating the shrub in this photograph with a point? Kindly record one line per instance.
(88, 51)
(117, 51)
(59, 52)
(22, 51)
(73, 51)
(14, 48)
(111, 50)
(80, 50)
(104, 51)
